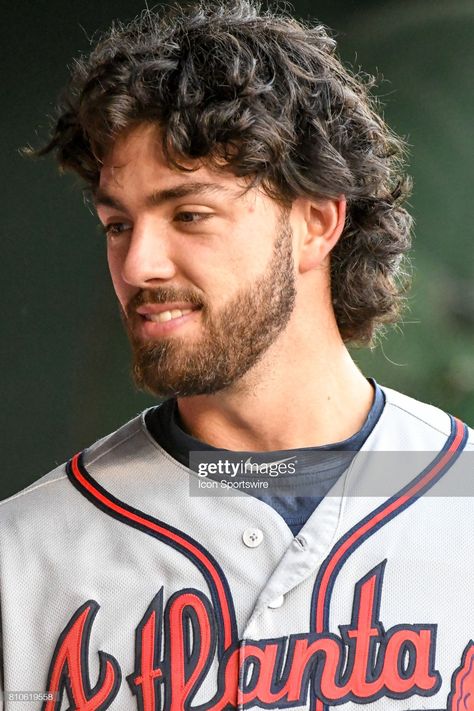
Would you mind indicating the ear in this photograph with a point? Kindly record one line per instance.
(321, 225)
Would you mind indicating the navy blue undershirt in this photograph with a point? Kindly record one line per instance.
(298, 492)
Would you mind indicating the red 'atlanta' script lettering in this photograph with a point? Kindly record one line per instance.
(175, 648)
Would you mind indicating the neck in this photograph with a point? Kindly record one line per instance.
(321, 398)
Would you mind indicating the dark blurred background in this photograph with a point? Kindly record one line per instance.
(65, 376)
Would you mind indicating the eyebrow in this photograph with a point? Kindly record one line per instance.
(102, 198)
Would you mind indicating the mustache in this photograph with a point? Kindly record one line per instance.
(163, 295)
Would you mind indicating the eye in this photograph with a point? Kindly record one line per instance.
(191, 217)
(115, 229)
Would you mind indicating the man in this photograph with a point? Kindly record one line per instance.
(251, 199)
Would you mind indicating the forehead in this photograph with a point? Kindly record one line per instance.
(137, 156)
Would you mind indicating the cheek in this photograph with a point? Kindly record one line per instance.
(243, 257)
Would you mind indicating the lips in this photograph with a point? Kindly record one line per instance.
(159, 320)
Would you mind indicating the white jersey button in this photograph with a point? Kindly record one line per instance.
(252, 537)
(277, 602)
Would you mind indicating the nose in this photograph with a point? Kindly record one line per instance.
(148, 256)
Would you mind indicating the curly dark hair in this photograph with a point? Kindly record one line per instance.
(264, 95)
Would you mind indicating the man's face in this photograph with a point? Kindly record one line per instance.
(204, 273)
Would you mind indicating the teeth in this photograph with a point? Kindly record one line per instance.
(167, 315)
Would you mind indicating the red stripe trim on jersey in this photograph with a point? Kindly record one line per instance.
(387, 510)
(132, 516)
(376, 519)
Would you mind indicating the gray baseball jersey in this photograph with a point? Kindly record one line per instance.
(122, 589)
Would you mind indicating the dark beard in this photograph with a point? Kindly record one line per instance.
(233, 338)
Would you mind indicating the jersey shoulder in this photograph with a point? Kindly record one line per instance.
(52, 493)
(412, 424)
